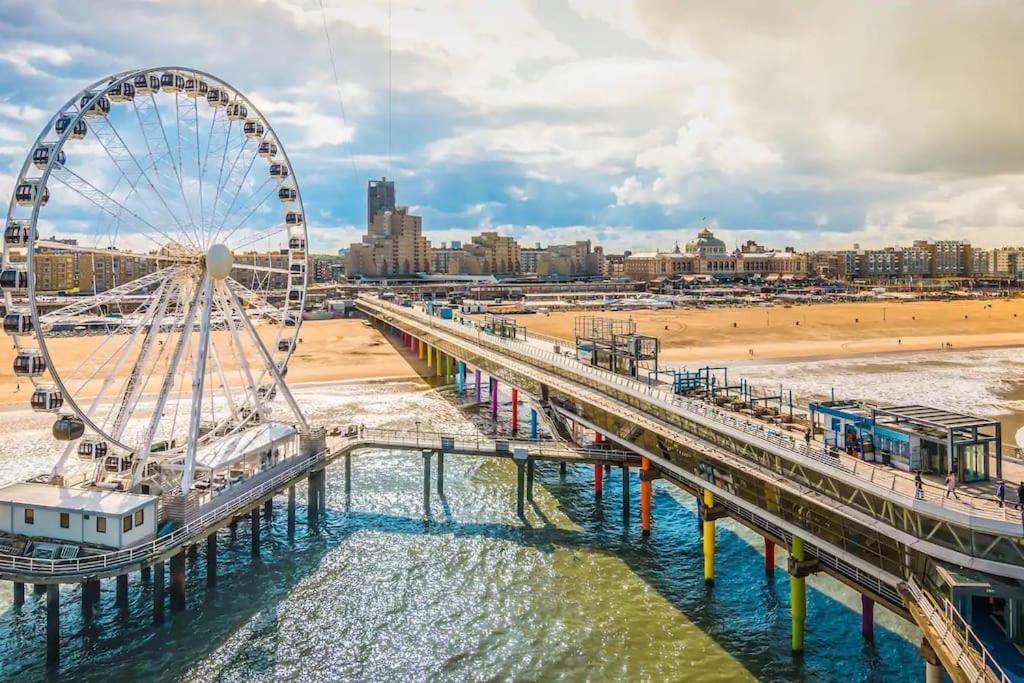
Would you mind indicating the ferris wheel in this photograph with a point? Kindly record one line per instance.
(154, 271)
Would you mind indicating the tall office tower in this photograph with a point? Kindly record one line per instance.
(380, 197)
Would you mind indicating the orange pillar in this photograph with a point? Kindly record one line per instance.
(515, 411)
(598, 480)
(645, 497)
(598, 438)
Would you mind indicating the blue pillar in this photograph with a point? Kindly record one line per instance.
(461, 371)
(533, 423)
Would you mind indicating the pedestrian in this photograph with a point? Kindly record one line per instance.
(1001, 492)
(918, 486)
(1020, 498)
(951, 485)
(807, 437)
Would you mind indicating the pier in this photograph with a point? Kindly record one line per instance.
(863, 524)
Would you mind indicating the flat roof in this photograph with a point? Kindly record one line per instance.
(234, 448)
(71, 499)
(935, 417)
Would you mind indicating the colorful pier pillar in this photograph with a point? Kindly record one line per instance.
(430, 355)
(447, 368)
(645, 496)
(420, 348)
(461, 376)
(533, 424)
(478, 383)
(798, 597)
(515, 410)
(709, 539)
(598, 481)
(598, 437)
(439, 362)
(769, 557)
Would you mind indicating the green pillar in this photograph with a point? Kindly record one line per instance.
(798, 597)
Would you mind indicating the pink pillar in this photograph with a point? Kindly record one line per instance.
(515, 411)
(494, 398)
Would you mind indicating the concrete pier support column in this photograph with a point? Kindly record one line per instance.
(254, 518)
(529, 479)
(430, 356)
(88, 600)
(121, 594)
(515, 411)
(447, 369)
(534, 433)
(769, 557)
(709, 540)
(440, 474)
(562, 468)
(146, 574)
(268, 510)
(867, 618)
(798, 597)
(426, 485)
(52, 624)
(598, 481)
(520, 487)
(460, 372)
(494, 398)
(932, 664)
(645, 497)
(158, 593)
(291, 510)
(193, 553)
(312, 500)
(211, 560)
(19, 594)
(39, 588)
(178, 581)
(348, 475)
(438, 364)
(477, 383)
(625, 492)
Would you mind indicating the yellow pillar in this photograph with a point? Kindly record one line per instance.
(709, 540)
(798, 597)
(430, 355)
(420, 346)
(437, 366)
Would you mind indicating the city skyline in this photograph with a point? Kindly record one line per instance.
(629, 124)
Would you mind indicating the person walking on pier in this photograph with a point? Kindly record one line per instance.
(951, 485)
(918, 486)
(807, 438)
(1020, 499)
(1001, 493)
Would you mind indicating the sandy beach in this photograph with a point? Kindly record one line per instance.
(346, 349)
(823, 330)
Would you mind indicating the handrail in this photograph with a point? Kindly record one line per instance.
(958, 637)
(930, 492)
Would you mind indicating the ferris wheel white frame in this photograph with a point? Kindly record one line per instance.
(235, 303)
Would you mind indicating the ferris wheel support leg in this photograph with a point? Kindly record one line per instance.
(198, 380)
(269, 362)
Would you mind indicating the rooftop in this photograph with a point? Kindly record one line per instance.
(234, 448)
(73, 499)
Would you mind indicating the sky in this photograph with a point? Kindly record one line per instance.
(628, 122)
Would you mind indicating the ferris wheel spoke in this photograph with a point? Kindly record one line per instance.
(179, 172)
(251, 239)
(268, 362)
(253, 210)
(262, 269)
(104, 201)
(170, 379)
(252, 393)
(84, 304)
(219, 221)
(158, 146)
(198, 382)
(125, 160)
(256, 301)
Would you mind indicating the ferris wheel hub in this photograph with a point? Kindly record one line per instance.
(218, 261)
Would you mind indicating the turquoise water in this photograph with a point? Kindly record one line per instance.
(475, 594)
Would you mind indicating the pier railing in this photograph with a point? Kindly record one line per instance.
(957, 637)
(368, 437)
(870, 476)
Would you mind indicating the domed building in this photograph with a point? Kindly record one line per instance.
(706, 244)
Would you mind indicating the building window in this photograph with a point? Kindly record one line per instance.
(126, 523)
(101, 525)
(30, 516)
(65, 520)
(139, 516)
